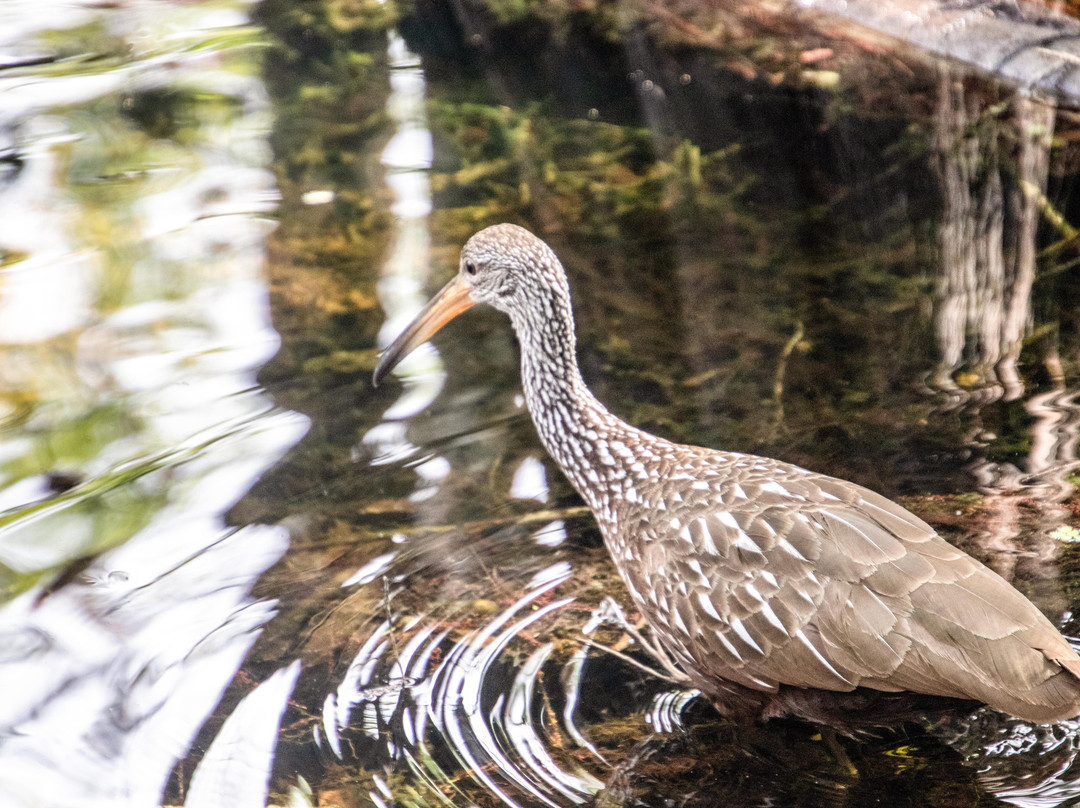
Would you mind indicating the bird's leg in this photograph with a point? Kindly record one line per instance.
(611, 612)
(832, 743)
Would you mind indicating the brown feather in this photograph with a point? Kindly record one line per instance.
(769, 583)
(837, 588)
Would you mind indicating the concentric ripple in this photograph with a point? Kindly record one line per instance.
(486, 701)
(495, 716)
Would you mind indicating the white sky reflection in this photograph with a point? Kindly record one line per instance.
(135, 326)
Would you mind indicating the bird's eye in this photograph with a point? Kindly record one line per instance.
(470, 268)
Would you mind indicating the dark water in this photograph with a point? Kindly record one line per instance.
(235, 574)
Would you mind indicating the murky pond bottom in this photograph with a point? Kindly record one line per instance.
(234, 572)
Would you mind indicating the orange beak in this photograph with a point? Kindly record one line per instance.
(451, 301)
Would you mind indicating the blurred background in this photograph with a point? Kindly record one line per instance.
(234, 574)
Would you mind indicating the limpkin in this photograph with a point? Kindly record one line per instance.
(772, 586)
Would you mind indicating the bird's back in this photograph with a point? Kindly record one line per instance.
(760, 574)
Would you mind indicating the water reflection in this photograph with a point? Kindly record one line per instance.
(746, 274)
(133, 318)
(487, 717)
(530, 481)
(987, 232)
(994, 168)
(407, 159)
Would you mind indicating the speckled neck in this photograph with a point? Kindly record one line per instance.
(588, 442)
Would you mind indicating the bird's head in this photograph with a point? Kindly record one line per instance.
(504, 266)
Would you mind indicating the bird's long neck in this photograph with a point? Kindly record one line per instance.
(588, 442)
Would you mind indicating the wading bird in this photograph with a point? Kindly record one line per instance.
(778, 590)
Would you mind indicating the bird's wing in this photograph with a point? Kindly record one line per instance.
(808, 581)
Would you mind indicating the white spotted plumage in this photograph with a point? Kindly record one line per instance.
(762, 578)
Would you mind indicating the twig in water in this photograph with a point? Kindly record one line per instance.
(778, 379)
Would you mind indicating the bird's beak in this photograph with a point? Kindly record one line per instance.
(441, 309)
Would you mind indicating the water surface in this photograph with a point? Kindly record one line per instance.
(234, 573)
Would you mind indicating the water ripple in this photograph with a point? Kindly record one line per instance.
(495, 718)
